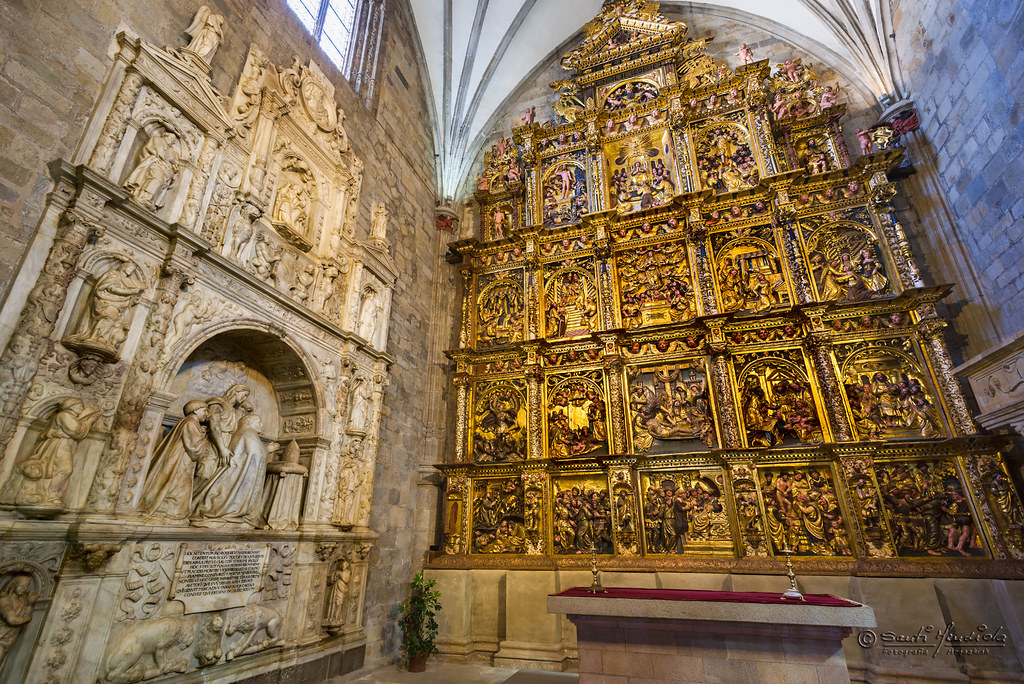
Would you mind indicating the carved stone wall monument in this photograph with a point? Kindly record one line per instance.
(198, 305)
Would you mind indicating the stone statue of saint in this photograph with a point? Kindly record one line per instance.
(168, 488)
(17, 599)
(359, 413)
(379, 227)
(282, 494)
(156, 169)
(115, 293)
(232, 494)
(206, 30)
(340, 579)
(369, 311)
(41, 479)
(351, 483)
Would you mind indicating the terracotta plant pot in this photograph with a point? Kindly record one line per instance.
(418, 662)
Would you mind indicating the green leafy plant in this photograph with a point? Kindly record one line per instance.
(419, 628)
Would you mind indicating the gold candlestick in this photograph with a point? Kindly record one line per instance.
(793, 594)
(595, 586)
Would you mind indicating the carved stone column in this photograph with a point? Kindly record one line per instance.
(30, 340)
(117, 123)
(820, 348)
(190, 213)
(930, 336)
(128, 449)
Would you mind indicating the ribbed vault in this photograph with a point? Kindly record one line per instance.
(479, 51)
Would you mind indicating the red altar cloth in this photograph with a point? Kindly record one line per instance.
(718, 596)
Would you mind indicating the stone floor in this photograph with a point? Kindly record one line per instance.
(451, 673)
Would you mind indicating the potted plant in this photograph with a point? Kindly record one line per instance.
(419, 628)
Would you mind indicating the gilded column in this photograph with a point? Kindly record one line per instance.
(723, 387)
(136, 422)
(899, 246)
(786, 234)
(534, 382)
(698, 236)
(820, 347)
(467, 294)
(607, 287)
(613, 365)
(930, 336)
(461, 418)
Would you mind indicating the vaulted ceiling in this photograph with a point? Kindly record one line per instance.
(479, 51)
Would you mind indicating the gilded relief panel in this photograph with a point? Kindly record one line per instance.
(803, 512)
(626, 521)
(656, 285)
(498, 516)
(776, 400)
(576, 414)
(859, 477)
(641, 169)
(685, 512)
(570, 298)
(499, 219)
(500, 308)
(582, 515)
(638, 90)
(844, 258)
(670, 408)
(748, 272)
(564, 189)
(888, 394)
(500, 421)
(928, 509)
(724, 154)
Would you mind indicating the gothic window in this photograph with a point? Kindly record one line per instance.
(348, 31)
(331, 22)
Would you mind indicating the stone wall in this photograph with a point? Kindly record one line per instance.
(54, 60)
(961, 61)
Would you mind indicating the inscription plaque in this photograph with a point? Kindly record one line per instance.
(216, 576)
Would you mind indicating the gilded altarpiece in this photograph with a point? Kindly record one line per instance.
(706, 343)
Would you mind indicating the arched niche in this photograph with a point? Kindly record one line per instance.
(78, 444)
(281, 386)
